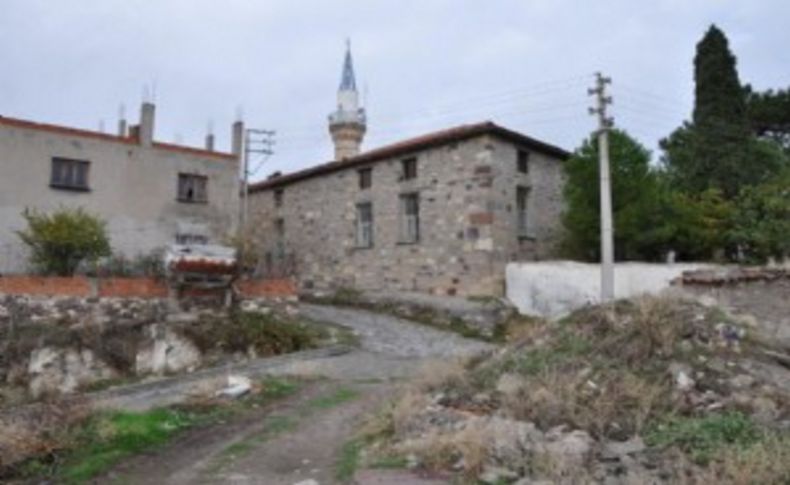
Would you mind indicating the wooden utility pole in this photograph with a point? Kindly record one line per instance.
(607, 233)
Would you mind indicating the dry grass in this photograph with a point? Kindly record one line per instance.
(439, 374)
(39, 430)
(766, 462)
(465, 449)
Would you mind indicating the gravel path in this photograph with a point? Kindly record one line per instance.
(393, 336)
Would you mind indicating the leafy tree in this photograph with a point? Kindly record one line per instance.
(697, 226)
(717, 149)
(761, 226)
(769, 115)
(60, 241)
(636, 196)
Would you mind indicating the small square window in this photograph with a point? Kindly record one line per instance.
(69, 174)
(192, 188)
(365, 178)
(409, 168)
(523, 161)
(278, 198)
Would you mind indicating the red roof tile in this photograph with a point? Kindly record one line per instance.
(66, 130)
(411, 145)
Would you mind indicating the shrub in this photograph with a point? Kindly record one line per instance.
(61, 240)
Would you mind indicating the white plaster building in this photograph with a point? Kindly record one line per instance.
(148, 192)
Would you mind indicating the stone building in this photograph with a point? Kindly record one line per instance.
(441, 213)
(150, 193)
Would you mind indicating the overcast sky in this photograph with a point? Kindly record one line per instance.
(426, 64)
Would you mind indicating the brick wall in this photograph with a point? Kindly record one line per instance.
(45, 286)
(80, 286)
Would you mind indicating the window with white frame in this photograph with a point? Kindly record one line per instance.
(364, 225)
(409, 218)
(522, 209)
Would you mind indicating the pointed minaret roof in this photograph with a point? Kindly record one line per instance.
(347, 81)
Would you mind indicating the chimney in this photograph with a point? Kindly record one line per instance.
(147, 124)
(237, 143)
(122, 121)
(210, 142)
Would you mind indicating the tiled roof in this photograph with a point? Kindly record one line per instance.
(411, 145)
(96, 135)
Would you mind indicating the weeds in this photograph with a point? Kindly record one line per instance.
(340, 396)
(701, 438)
(242, 331)
(347, 464)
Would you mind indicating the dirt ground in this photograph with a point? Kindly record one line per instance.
(302, 439)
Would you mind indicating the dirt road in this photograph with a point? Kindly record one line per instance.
(307, 438)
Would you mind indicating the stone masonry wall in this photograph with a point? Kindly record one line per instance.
(467, 221)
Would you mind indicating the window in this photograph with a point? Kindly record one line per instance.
(278, 198)
(522, 196)
(409, 218)
(523, 161)
(365, 225)
(365, 178)
(279, 245)
(409, 168)
(69, 174)
(192, 188)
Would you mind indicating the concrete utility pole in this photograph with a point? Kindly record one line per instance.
(607, 237)
(258, 142)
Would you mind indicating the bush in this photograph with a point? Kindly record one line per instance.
(267, 334)
(60, 241)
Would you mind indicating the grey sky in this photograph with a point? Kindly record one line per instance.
(428, 64)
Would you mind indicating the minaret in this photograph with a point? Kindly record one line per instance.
(347, 125)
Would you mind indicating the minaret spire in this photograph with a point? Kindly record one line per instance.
(347, 124)
(347, 81)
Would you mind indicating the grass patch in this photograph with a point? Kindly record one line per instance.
(93, 445)
(390, 462)
(109, 437)
(701, 438)
(346, 465)
(340, 396)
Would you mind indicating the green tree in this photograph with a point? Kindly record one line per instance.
(717, 150)
(769, 115)
(60, 241)
(761, 222)
(636, 197)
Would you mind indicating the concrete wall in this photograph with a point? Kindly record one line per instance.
(134, 188)
(555, 288)
(467, 221)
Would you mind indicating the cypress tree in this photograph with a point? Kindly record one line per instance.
(717, 150)
(721, 151)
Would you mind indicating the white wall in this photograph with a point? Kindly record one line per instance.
(132, 187)
(555, 288)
